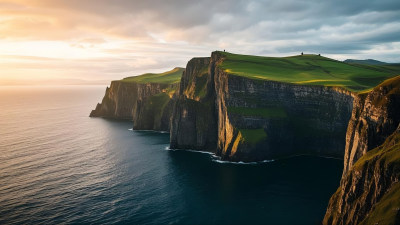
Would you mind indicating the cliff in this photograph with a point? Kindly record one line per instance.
(256, 119)
(375, 116)
(146, 100)
(369, 188)
(270, 119)
(249, 108)
(193, 122)
(117, 102)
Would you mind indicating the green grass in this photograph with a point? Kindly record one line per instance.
(273, 112)
(253, 136)
(386, 210)
(169, 77)
(388, 154)
(308, 70)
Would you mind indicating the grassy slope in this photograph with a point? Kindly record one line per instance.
(387, 209)
(168, 77)
(309, 70)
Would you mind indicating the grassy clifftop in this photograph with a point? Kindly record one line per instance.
(169, 77)
(309, 70)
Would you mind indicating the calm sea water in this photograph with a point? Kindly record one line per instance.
(57, 165)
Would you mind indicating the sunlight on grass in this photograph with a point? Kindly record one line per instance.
(169, 77)
(308, 69)
(313, 81)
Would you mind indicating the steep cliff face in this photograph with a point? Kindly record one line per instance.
(255, 119)
(277, 119)
(149, 105)
(118, 101)
(265, 119)
(153, 109)
(193, 122)
(375, 116)
(369, 190)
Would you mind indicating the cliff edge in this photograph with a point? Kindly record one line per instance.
(193, 122)
(369, 190)
(146, 100)
(241, 117)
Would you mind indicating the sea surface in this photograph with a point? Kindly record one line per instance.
(57, 165)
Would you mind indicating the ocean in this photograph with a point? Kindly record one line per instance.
(57, 165)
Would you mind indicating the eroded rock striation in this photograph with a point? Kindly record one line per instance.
(117, 102)
(243, 119)
(193, 122)
(369, 190)
(149, 105)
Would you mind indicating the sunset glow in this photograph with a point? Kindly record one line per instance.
(97, 41)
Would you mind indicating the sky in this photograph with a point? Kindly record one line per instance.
(95, 41)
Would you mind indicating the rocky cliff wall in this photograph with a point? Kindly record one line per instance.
(260, 120)
(256, 120)
(148, 105)
(369, 192)
(118, 101)
(375, 116)
(193, 122)
(288, 119)
(369, 188)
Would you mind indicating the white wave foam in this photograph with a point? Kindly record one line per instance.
(188, 150)
(153, 131)
(241, 162)
(217, 159)
(203, 152)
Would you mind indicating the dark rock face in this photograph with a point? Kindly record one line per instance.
(133, 101)
(150, 115)
(370, 175)
(193, 122)
(368, 186)
(375, 116)
(117, 102)
(296, 119)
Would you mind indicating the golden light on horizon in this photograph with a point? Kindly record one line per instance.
(100, 40)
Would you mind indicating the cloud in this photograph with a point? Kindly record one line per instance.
(136, 36)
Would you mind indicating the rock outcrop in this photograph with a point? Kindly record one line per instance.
(148, 105)
(369, 189)
(118, 101)
(193, 122)
(255, 119)
(375, 116)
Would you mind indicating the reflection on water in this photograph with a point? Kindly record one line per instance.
(60, 166)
